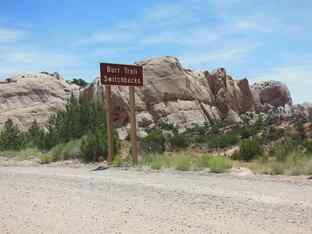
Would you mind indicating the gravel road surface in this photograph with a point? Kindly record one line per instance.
(64, 200)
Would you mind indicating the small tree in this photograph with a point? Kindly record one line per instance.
(10, 137)
(246, 133)
(36, 136)
(90, 149)
(94, 145)
(179, 141)
(299, 125)
(250, 149)
(154, 142)
(259, 123)
(79, 82)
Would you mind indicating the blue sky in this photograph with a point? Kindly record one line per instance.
(260, 40)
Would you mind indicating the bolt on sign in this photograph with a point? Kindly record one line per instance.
(121, 75)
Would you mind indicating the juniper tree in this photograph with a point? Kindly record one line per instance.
(10, 137)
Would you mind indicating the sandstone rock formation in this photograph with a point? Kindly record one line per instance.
(26, 97)
(170, 94)
(274, 93)
(184, 97)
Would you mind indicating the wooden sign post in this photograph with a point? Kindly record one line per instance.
(122, 75)
(134, 143)
(109, 122)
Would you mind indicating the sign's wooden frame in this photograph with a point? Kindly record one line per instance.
(125, 75)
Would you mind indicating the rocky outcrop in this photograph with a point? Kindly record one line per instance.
(273, 93)
(184, 97)
(230, 95)
(170, 94)
(26, 97)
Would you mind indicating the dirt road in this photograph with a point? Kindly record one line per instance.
(62, 200)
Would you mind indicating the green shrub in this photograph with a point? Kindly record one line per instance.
(250, 149)
(308, 167)
(183, 162)
(246, 133)
(91, 149)
(45, 159)
(117, 162)
(273, 134)
(10, 137)
(219, 164)
(158, 161)
(259, 123)
(77, 120)
(295, 163)
(94, 145)
(79, 82)
(36, 136)
(197, 133)
(299, 126)
(71, 150)
(168, 127)
(308, 145)
(154, 142)
(277, 168)
(222, 141)
(236, 155)
(296, 171)
(283, 148)
(203, 161)
(179, 141)
(156, 164)
(148, 158)
(56, 152)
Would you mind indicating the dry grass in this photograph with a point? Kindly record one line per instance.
(22, 155)
(187, 162)
(294, 164)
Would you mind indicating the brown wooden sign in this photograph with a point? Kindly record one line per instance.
(124, 75)
(119, 74)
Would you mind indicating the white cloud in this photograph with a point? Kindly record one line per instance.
(298, 78)
(154, 26)
(292, 73)
(20, 60)
(10, 35)
(248, 25)
(193, 37)
(107, 37)
(18, 56)
(264, 24)
(164, 11)
(180, 24)
(170, 14)
(225, 55)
